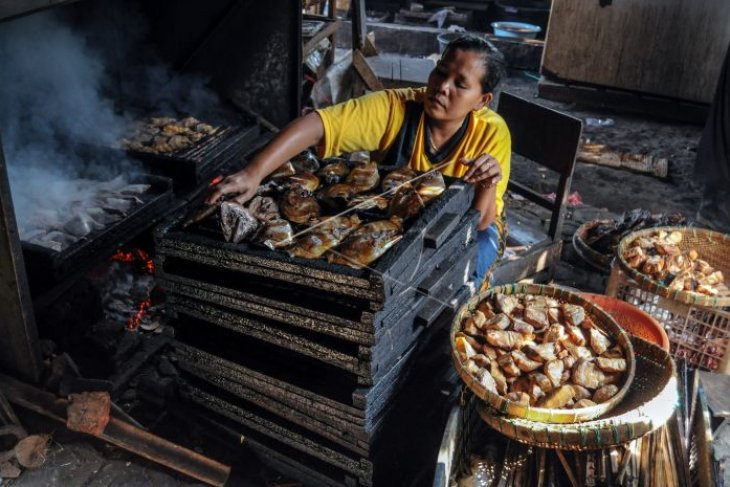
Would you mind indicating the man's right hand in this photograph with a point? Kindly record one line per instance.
(241, 185)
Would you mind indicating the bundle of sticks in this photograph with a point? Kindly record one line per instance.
(675, 454)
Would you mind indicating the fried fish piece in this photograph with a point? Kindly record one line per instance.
(558, 398)
(543, 352)
(524, 363)
(508, 365)
(542, 381)
(498, 322)
(508, 340)
(554, 371)
(611, 364)
(519, 398)
(537, 316)
(581, 392)
(334, 172)
(325, 236)
(587, 374)
(236, 222)
(363, 177)
(398, 178)
(506, 303)
(605, 393)
(500, 380)
(554, 333)
(599, 342)
(573, 313)
(584, 403)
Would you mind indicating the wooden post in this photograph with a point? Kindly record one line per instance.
(359, 27)
(19, 348)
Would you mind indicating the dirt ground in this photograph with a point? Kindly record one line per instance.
(619, 190)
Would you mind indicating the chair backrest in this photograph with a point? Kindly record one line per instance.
(549, 138)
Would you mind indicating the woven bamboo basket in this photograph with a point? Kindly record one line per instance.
(595, 259)
(714, 247)
(548, 415)
(650, 403)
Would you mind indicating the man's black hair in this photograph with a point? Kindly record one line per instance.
(494, 64)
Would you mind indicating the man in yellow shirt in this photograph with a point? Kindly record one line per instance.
(448, 120)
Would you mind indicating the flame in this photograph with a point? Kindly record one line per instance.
(136, 255)
(215, 181)
(135, 320)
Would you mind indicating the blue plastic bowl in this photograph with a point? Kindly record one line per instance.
(515, 30)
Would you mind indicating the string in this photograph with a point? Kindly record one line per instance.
(367, 201)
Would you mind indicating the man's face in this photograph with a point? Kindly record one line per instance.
(454, 86)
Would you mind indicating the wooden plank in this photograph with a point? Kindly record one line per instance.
(365, 71)
(312, 42)
(359, 28)
(672, 48)
(623, 101)
(19, 348)
(15, 8)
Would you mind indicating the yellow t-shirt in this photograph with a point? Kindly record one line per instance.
(372, 123)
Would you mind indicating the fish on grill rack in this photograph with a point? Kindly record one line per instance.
(162, 135)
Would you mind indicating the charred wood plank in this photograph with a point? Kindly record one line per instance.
(121, 434)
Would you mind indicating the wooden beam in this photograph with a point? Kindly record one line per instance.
(19, 347)
(15, 8)
(359, 27)
(326, 31)
(365, 71)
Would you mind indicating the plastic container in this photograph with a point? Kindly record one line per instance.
(534, 12)
(698, 334)
(632, 319)
(516, 30)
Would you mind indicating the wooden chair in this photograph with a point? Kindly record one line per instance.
(550, 139)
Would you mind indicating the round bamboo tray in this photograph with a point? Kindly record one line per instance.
(548, 415)
(648, 405)
(714, 247)
(595, 259)
(635, 321)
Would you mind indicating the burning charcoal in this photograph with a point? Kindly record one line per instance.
(264, 208)
(236, 222)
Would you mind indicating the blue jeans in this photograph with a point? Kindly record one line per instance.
(487, 252)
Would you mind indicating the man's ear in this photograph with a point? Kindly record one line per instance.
(485, 100)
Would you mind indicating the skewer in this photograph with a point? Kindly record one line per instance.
(566, 467)
(541, 467)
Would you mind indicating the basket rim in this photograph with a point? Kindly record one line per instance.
(507, 407)
(599, 261)
(604, 430)
(649, 284)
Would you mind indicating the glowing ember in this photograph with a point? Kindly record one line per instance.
(135, 320)
(216, 180)
(136, 255)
